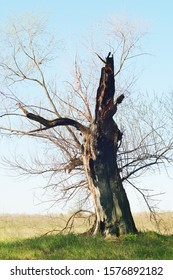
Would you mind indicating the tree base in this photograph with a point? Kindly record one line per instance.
(109, 233)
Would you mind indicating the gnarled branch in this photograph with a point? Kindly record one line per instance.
(56, 122)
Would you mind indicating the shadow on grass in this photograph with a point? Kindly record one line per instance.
(148, 245)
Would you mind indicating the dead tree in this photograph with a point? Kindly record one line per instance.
(101, 141)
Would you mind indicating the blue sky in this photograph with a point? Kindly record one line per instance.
(69, 20)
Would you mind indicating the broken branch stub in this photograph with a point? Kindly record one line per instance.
(105, 105)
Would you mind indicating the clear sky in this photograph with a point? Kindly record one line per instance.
(72, 19)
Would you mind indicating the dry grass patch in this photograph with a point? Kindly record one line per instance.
(14, 227)
(26, 226)
(162, 225)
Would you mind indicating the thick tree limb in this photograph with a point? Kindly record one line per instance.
(56, 122)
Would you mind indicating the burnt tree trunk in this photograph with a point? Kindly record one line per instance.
(100, 160)
(99, 152)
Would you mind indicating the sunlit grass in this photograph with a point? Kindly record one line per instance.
(142, 246)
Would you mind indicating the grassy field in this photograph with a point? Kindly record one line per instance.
(35, 237)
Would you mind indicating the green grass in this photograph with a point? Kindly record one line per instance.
(148, 245)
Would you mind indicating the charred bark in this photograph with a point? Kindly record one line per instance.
(110, 199)
(100, 161)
